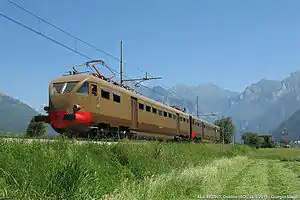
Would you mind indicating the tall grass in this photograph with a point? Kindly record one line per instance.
(65, 170)
(283, 154)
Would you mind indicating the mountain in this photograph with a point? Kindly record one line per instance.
(284, 102)
(261, 107)
(14, 115)
(211, 98)
(254, 101)
(291, 126)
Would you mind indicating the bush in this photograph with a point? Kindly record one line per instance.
(36, 129)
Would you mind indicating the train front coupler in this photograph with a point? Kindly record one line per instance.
(42, 118)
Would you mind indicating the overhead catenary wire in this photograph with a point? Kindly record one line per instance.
(45, 36)
(77, 38)
(170, 90)
(64, 31)
(65, 46)
(73, 36)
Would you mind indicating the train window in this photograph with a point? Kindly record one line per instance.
(187, 121)
(57, 88)
(94, 90)
(165, 114)
(204, 126)
(183, 119)
(148, 108)
(160, 112)
(69, 87)
(193, 122)
(141, 106)
(174, 116)
(84, 89)
(154, 110)
(180, 118)
(170, 115)
(105, 94)
(116, 98)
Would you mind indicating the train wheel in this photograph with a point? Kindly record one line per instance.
(114, 133)
(122, 134)
(90, 135)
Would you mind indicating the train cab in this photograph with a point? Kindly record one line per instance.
(70, 101)
(74, 100)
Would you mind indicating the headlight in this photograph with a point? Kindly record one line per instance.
(46, 108)
(76, 107)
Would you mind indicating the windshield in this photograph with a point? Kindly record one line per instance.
(63, 88)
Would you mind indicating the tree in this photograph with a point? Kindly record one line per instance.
(254, 140)
(36, 128)
(227, 129)
(250, 139)
(268, 143)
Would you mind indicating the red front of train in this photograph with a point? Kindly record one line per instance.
(68, 108)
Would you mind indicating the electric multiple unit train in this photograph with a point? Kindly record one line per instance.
(89, 105)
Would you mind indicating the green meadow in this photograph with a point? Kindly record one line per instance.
(64, 169)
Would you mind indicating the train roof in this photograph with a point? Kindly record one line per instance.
(76, 77)
(118, 88)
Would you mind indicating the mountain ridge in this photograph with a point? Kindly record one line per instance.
(289, 126)
(262, 106)
(13, 110)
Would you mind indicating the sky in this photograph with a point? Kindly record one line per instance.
(230, 43)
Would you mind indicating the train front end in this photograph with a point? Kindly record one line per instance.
(68, 109)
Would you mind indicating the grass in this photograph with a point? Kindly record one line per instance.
(283, 154)
(18, 135)
(66, 170)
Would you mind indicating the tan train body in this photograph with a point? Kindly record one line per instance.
(117, 107)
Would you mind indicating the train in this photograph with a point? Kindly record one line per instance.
(89, 105)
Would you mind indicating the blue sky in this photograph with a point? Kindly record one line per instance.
(230, 43)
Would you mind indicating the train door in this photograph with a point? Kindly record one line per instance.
(191, 126)
(178, 123)
(134, 113)
(203, 126)
(94, 97)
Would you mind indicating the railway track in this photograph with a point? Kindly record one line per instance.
(29, 140)
(142, 138)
